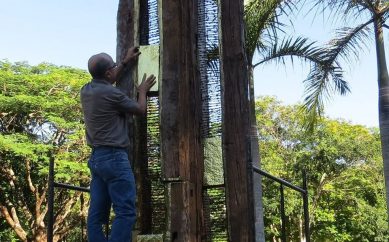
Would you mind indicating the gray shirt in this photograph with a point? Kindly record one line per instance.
(105, 109)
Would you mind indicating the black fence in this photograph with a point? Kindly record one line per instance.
(52, 186)
(303, 191)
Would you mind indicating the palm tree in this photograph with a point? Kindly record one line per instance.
(262, 29)
(347, 44)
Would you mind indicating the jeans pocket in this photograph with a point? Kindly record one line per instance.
(121, 165)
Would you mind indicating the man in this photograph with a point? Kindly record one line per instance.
(105, 110)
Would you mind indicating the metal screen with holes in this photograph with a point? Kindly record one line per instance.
(154, 167)
(209, 65)
(149, 35)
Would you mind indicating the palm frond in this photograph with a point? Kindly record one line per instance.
(292, 48)
(212, 52)
(326, 78)
(346, 9)
(212, 56)
(262, 20)
(320, 85)
(349, 42)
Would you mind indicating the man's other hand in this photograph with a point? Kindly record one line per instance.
(147, 83)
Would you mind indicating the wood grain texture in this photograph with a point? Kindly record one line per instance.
(236, 122)
(128, 35)
(125, 39)
(180, 99)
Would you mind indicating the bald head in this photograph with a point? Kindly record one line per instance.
(98, 64)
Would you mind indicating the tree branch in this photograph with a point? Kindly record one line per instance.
(66, 210)
(63, 231)
(10, 175)
(29, 181)
(42, 214)
(15, 225)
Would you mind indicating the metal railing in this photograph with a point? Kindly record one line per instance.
(304, 193)
(52, 186)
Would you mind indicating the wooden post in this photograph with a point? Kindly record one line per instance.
(127, 19)
(126, 37)
(129, 33)
(236, 123)
(180, 99)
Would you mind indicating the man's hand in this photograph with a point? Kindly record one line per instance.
(143, 88)
(146, 84)
(131, 56)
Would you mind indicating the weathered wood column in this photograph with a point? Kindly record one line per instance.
(129, 31)
(125, 39)
(180, 102)
(236, 123)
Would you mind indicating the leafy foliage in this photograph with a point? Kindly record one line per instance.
(40, 108)
(345, 175)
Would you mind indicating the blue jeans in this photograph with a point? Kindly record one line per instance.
(112, 183)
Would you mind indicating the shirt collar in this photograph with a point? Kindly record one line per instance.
(101, 81)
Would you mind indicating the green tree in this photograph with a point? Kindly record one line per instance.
(344, 167)
(347, 45)
(39, 108)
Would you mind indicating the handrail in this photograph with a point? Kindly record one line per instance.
(71, 187)
(50, 199)
(304, 193)
(279, 180)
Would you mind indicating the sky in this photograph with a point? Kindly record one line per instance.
(68, 32)
(286, 82)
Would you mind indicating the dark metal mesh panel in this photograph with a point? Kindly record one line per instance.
(149, 35)
(215, 214)
(153, 137)
(154, 165)
(148, 23)
(153, 22)
(144, 23)
(209, 64)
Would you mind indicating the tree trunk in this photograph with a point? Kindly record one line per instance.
(41, 237)
(301, 229)
(383, 100)
(256, 159)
